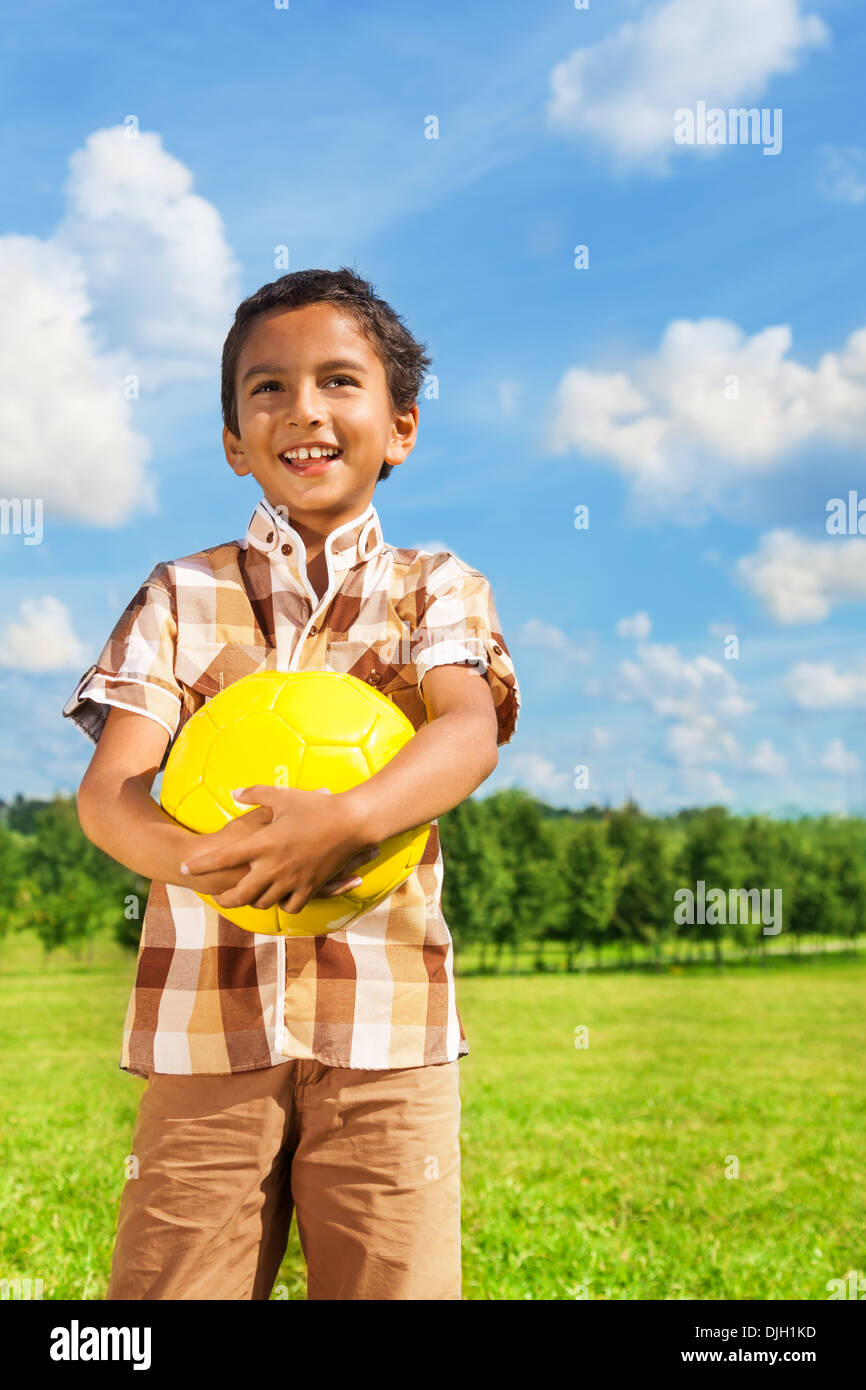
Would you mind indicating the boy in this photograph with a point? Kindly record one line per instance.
(317, 1074)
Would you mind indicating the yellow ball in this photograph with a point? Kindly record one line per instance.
(305, 729)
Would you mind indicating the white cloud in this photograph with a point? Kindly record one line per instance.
(601, 739)
(66, 428)
(42, 638)
(701, 699)
(711, 393)
(159, 272)
(677, 687)
(620, 93)
(839, 759)
(137, 279)
(799, 581)
(536, 633)
(537, 773)
(701, 740)
(766, 760)
(700, 786)
(843, 174)
(638, 627)
(818, 685)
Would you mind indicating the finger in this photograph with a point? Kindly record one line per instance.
(233, 878)
(252, 891)
(250, 818)
(231, 857)
(335, 886)
(362, 857)
(257, 815)
(260, 795)
(296, 901)
(270, 898)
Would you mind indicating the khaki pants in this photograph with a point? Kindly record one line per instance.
(370, 1160)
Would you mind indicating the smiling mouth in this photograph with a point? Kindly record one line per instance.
(310, 462)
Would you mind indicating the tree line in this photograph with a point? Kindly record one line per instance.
(519, 876)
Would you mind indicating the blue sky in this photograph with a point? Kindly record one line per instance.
(700, 386)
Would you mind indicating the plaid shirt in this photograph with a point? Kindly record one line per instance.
(208, 996)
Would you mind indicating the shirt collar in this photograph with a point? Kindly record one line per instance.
(350, 544)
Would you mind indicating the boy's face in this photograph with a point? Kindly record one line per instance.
(290, 391)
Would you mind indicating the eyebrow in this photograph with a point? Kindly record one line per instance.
(329, 366)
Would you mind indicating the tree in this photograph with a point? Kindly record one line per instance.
(814, 906)
(21, 814)
(591, 879)
(74, 890)
(528, 846)
(11, 878)
(712, 852)
(478, 885)
(643, 911)
(836, 864)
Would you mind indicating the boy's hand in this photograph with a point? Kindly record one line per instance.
(294, 846)
(221, 880)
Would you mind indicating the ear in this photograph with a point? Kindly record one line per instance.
(234, 452)
(404, 433)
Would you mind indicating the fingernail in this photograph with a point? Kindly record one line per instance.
(355, 883)
(238, 791)
(184, 869)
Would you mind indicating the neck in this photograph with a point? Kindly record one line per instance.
(313, 537)
(315, 527)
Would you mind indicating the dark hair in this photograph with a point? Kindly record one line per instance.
(403, 359)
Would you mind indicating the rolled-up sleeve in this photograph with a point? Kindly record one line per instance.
(135, 669)
(460, 626)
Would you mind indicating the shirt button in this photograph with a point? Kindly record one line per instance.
(313, 630)
(286, 549)
(374, 678)
(269, 537)
(498, 650)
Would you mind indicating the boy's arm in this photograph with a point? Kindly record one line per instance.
(439, 767)
(449, 756)
(118, 814)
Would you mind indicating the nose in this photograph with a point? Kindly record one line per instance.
(297, 417)
(302, 408)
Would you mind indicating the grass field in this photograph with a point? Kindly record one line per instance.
(594, 1172)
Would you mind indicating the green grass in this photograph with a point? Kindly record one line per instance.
(599, 1170)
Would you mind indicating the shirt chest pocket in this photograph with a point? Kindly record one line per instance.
(208, 667)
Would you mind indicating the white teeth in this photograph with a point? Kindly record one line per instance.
(315, 452)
